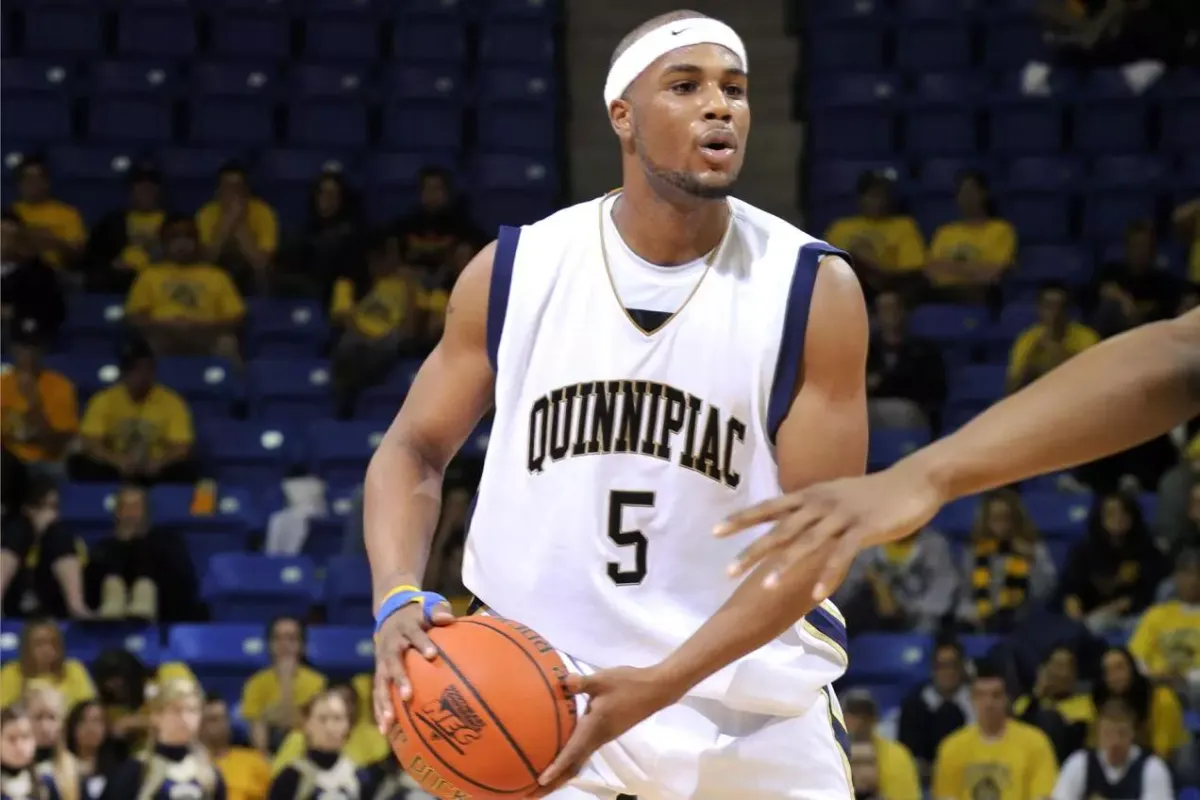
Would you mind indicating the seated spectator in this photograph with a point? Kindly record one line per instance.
(1008, 570)
(272, 697)
(910, 584)
(1159, 715)
(124, 685)
(1187, 222)
(934, 710)
(1117, 768)
(968, 257)
(376, 328)
(906, 379)
(1112, 574)
(29, 288)
(41, 561)
(1049, 342)
(1166, 642)
(48, 710)
(1056, 705)
(896, 771)
(323, 769)
(38, 414)
(887, 248)
(996, 757)
(1133, 290)
(865, 776)
(329, 246)
(141, 572)
(95, 756)
(364, 745)
(435, 294)
(53, 229)
(177, 766)
(246, 772)
(239, 231)
(42, 659)
(19, 779)
(137, 429)
(429, 235)
(184, 306)
(126, 241)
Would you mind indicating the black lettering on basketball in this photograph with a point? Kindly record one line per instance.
(532, 636)
(429, 779)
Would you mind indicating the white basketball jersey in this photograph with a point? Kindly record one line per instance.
(614, 451)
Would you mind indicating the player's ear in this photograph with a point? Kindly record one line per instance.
(620, 116)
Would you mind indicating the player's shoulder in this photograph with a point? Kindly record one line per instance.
(756, 224)
(565, 222)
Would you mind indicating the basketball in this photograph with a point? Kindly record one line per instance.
(487, 715)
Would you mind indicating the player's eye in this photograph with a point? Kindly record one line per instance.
(684, 87)
(734, 90)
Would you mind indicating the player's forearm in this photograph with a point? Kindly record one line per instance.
(1109, 398)
(401, 505)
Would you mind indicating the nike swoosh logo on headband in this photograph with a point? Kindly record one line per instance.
(677, 32)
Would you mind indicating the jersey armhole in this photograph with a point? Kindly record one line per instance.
(795, 328)
(501, 286)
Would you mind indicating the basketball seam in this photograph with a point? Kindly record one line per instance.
(499, 725)
(558, 732)
(429, 746)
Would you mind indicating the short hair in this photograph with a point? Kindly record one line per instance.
(233, 167)
(1054, 286)
(988, 669)
(949, 641)
(1139, 226)
(860, 703)
(649, 25)
(871, 179)
(1117, 710)
(441, 173)
(29, 162)
(38, 489)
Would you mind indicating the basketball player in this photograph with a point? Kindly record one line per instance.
(657, 358)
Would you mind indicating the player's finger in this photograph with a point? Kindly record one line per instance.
(810, 533)
(393, 666)
(836, 567)
(442, 614)
(568, 761)
(382, 699)
(777, 539)
(580, 684)
(756, 515)
(420, 640)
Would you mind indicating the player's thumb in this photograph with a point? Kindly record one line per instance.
(580, 684)
(442, 614)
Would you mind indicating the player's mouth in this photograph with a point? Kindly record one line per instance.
(718, 147)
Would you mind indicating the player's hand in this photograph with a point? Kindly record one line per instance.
(404, 629)
(618, 699)
(834, 520)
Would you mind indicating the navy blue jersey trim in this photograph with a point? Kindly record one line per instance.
(795, 326)
(502, 272)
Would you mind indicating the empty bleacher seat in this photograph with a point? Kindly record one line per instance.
(432, 126)
(1107, 213)
(834, 177)
(289, 389)
(43, 118)
(251, 587)
(90, 640)
(1015, 319)
(35, 76)
(133, 77)
(341, 650)
(1039, 217)
(1013, 45)
(345, 37)
(977, 382)
(254, 454)
(210, 385)
(287, 166)
(430, 42)
(1025, 127)
(382, 400)
(95, 323)
(247, 34)
(930, 47)
(339, 451)
(328, 122)
(243, 121)
(943, 174)
(1057, 515)
(87, 508)
(130, 119)
(515, 43)
(391, 178)
(348, 590)
(168, 31)
(840, 89)
(444, 82)
(517, 87)
(221, 656)
(1110, 172)
(95, 163)
(52, 29)
(947, 323)
(1042, 173)
(890, 658)
(220, 79)
(888, 446)
(10, 638)
(282, 328)
(848, 46)
(87, 372)
(520, 130)
(544, 11)
(948, 10)
(318, 80)
(526, 173)
(454, 11)
(190, 164)
(224, 530)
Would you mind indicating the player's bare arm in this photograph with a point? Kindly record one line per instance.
(403, 490)
(824, 436)
(1113, 396)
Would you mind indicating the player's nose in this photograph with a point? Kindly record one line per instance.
(716, 105)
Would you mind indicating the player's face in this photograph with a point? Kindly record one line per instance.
(688, 120)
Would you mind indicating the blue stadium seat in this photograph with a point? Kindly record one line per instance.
(1013, 45)
(1014, 319)
(1133, 172)
(430, 42)
(52, 29)
(868, 12)
(943, 88)
(431, 126)
(515, 43)
(1039, 217)
(221, 656)
(525, 173)
(328, 122)
(544, 11)
(339, 451)
(210, 385)
(286, 328)
(931, 211)
(87, 508)
(130, 120)
(942, 174)
(189, 164)
(1189, 793)
(930, 47)
(1067, 263)
(343, 37)
(317, 80)
(245, 34)
(843, 89)
(253, 454)
(839, 177)
(957, 517)
(10, 638)
(890, 658)
(500, 87)
(1106, 214)
(842, 48)
(42, 118)
(86, 642)
(236, 511)
(95, 163)
(1179, 125)
(1025, 127)
(279, 165)
(1042, 174)
(33, 77)
(492, 209)
(853, 133)
(889, 445)
(128, 77)
(222, 79)
(1111, 126)
(169, 32)
(443, 82)
(291, 389)
(342, 651)
(940, 130)
(251, 587)
(519, 130)
(947, 324)
(978, 645)
(1057, 515)
(348, 590)
(95, 323)
(454, 11)
(241, 121)
(977, 382)
(382, 401)
(89, 373)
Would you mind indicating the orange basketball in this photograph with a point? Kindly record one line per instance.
(487, 715)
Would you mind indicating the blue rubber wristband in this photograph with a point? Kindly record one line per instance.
(397, 601)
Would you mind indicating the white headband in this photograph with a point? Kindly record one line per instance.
(662, 40)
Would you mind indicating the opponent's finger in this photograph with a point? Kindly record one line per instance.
(420, 640)
(836, 567)
(804, 543)
(778, 538)
(442, 614)
(756, 515)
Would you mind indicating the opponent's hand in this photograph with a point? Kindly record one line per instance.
(618, 699)
(404, 629)
(838, 518)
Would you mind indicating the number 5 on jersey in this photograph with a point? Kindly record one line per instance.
(617, 502)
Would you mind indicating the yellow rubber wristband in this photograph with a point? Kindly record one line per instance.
(397, 590)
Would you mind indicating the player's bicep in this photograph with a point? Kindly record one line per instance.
(824, 434)
(453, 388)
